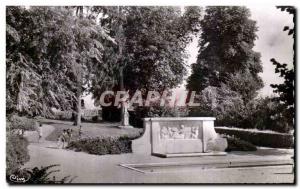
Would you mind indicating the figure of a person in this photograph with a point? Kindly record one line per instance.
(125, 116)
(40, 131)
(69, 134)
(62, 139)
(164, 133)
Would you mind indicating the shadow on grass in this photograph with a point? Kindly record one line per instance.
(106, 129)
(52, 147)
(265, 152)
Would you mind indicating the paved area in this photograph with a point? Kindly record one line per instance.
(106, 169)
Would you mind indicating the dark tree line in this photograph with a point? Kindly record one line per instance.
(226, 74)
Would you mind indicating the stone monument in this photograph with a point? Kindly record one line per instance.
(125, 116)
(179, 136)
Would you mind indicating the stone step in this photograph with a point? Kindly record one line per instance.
(190, 154)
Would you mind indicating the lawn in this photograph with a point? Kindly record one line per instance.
(90, 130)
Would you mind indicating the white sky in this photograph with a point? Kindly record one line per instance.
(272, 42)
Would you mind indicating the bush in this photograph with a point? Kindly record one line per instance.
(16, 152)
(39, 176)
(264, 114)
(95, 118)
(21, 123)
(230, 110)
(102, 146)
(236, 144)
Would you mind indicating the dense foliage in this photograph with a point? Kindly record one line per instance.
(150, 51)
(102, 145)
(16, 123)
(151, 44)
(16, 143)
(226, 53)
(34, 71)
(47, 49)
(56, 54)
(228, 108)
(16, 152)
(226, 75)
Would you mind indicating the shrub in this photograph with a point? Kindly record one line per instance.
(21, 123)
(16, 152)
(102, 145)
(236, 144)
(230, 110)
(39, 176)
(265, 114)
(95, 118)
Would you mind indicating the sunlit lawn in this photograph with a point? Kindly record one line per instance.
(91, 130)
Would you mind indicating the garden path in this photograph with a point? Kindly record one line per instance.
(88, 168)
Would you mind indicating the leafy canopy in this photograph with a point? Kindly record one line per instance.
(226, 52)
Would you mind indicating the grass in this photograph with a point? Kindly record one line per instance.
(90, 130)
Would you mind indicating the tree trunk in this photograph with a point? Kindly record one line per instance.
(19, 105)
(78, 119)
(78, 95)
(122, 89)
(44, 107)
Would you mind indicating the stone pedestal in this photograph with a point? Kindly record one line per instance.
(179, 136)
(125, 117)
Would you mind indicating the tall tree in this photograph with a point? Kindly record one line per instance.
(47, 47)
(150, 52)
(154, 44)
(226, 52)
(35, 74)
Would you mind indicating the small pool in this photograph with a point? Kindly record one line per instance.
(192, 166)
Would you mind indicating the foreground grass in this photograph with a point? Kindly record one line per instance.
(91, 130)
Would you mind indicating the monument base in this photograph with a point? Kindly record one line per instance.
(180, 136)
(125, 127)
(191, 154)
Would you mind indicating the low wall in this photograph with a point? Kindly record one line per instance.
(265, 139)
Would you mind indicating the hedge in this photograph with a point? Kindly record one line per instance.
(21, 123)
(102, 145)
(235, 144)
(16, 152)
(265, 139)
